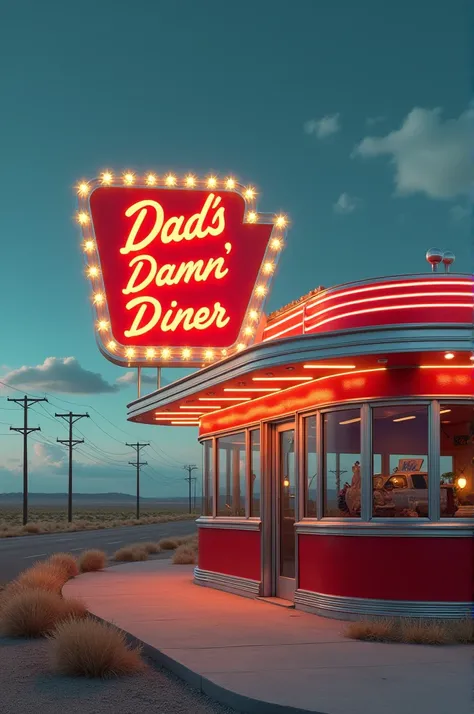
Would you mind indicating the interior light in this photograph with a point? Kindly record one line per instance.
(444, 411)
(350, 421)
(462, 482)
(449, 355)
(286, 483)
(407, 418)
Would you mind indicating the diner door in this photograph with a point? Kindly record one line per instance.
(284, 512)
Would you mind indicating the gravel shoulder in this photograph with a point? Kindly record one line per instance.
(29, 686)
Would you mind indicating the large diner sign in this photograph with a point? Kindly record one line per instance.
(179, 267)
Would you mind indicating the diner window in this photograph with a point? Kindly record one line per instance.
(310, 467)
(207, 480)
(341, 457)
(231, 475)
(400, 461)
(457, 460)
(255, 472)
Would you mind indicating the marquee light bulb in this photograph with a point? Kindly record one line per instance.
(150, 353)
(252, 217)
(268, 268)
(102, 325)
(260, 290)
(93, 271)
(151, 179)
(111, 345)
(190, 181)
(129, 352)
(281, 221)
(107, 178)
(208, 354)
(230, 183)
(186, 353)
(211, 182)
(166, 353)
(171, 180)
(449, 355)
(276, 244)
(128, 178)
(224, 353)
(248, 331)
(250, 193)
(82, 218)
(240, 347)
(98, 298)
(88, 246)
(253, 315)
(83, 188)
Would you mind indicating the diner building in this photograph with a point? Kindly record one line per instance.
(338, 451)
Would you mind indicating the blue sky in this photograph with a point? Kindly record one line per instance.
(354, 118)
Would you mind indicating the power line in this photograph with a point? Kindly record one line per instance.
(190, 468)
(25, 402)
(71, 419)
(138, 463)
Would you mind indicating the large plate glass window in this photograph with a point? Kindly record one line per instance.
(231, 459)
(400, 461)
(255, 475)
(207, 481)
(341, 458)
(457, 460)
(310, 467)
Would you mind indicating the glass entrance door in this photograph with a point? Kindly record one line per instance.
(285, 504)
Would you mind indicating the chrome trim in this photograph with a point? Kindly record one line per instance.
(302, 348)
(235, 524)
(403, 528)
(228, 583)
(349, 608)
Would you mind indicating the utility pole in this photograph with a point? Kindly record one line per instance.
(71, 418)
(189, 468)
(138, 463)
(25, 402)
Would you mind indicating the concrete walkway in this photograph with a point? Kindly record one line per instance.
(257, 657)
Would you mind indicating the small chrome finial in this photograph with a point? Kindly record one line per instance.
(448, 260)
(434, 256)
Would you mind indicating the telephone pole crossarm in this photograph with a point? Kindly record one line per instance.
(71, 418)
(138, 447)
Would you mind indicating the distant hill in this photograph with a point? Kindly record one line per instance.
(109, 499)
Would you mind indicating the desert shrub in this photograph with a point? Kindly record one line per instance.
(33, 613)
(384, 630)
(463, 631)
(43, 576)
(413, 631)
(150, 548)
(87, 648)
(168, 543)
(130, 554)
(184, 555)
(424, 632)
(66, 562)
(91, 560)
(74, 608)
(32, 528)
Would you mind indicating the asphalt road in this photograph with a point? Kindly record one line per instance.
(17, 554)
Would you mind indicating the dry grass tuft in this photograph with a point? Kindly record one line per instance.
(372, 630)
(43, 576)
(87, 648)
(422, 632)
(130, 554)
(91, 560)
(74, 608)
(463, 631)
(184, 555)
(65, 562)
(150, 548)
(168, 543)
(34, 613)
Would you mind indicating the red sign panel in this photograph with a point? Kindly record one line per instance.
(179, 272)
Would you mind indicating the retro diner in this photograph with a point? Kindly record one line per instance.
(338, 451)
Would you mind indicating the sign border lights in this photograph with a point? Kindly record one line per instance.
(154, 355)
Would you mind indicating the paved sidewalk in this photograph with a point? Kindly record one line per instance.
(261, 658)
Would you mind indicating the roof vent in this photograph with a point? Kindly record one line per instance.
(448, 260)
(434, 256)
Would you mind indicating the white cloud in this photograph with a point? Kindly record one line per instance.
(430, 156)
(59, 374)
(48, 456)
(131, 378)
(459, 213)
(345, 204)
(324, 127)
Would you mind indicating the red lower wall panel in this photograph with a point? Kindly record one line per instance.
(388, 568)
(233, 552)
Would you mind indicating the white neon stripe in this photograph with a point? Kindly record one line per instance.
(197, 408)
(446, 366)
(184, 423)
(299, 325)
(197, 412)
(329, 366)
(282, 379)
(385, 286)
(284, 319)
(407, 418)
(250, 389)
(389, 307)
(224, 399)
(399, 296)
